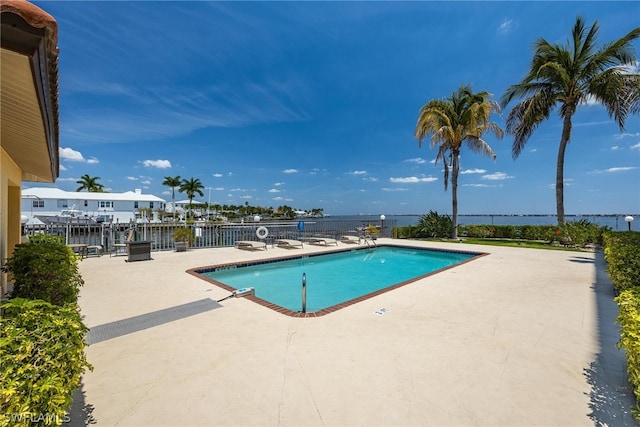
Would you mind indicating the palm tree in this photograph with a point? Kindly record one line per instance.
(173, 182)
(569, 76)
(462, 118)
(192, 187)
(90, 183)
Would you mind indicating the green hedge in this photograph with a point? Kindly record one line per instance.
(579, 233)
(42, 358)
(44, 268)
(622, 253)
(629, 319)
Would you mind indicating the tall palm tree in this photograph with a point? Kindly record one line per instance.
(173, 182)
(90, 183)
(192, 187)
(569, 75)
(460, 119)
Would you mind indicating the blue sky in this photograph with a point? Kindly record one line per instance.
(314, 104)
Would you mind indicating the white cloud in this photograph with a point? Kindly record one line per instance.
(92, 160)
(618, 169)
(626, 135)
(466, 171)
(70, 154)
(290, 171)
(274, 190)
(132, 178)
(160, 164)
(615, 147)
(217, 175)
(496, 176)
(166, 193)
(370, 179)
(506, 26)
(358, 173)
(278, 184)
(632, 68)
(412, 179)
(417, 160)
(636, 146)
(62, 168)
(394, 189)
(146, 182)
(533, 150)
(478, 185)
(67, 179)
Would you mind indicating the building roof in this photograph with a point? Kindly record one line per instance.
(56, 193)
(29, 89)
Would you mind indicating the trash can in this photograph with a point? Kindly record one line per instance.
(139, 251)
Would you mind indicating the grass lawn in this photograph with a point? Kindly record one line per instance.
(515, 243)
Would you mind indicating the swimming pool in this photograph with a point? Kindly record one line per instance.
(333, 280)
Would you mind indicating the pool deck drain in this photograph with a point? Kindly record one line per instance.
(145, 321)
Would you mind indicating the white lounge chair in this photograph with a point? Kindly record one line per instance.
(323, 241)
(350, 239)
(250, 244)
(288, 243)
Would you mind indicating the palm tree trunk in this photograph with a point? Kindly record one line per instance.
(566, 135)
(173, 198)
(454, 195)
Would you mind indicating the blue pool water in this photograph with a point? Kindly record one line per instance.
(335, 278)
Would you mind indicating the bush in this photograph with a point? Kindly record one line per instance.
(629, 319)
(583, 232)
(42, 353)
(433, 225)
(622, 253)
(184, 234)
(46, 269)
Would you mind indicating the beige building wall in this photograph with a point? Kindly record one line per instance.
(10, 181)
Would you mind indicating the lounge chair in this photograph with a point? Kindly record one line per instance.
(350, 239)
(322, 241)
(250, 245)
(288, 244)
(122, 247)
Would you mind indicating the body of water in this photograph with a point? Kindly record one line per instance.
(615, 222)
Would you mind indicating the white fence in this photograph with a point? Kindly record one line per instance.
(208, 235)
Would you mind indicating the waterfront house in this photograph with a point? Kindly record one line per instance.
(44, 204)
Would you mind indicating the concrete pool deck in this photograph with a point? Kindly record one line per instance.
(518, 337)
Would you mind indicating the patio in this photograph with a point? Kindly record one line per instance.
(519, 337)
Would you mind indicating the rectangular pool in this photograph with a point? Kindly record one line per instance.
(333, 280)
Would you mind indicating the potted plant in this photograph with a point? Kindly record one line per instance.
(372, 231)
(183, 238)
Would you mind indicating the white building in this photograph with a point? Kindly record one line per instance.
(182, 207)
(53, 203)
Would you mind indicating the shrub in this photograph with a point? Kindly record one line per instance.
(583, 232)
(184, 234)
(622, 253)
(629, 319)
(46, 269)
(42, 353)
(433, 225)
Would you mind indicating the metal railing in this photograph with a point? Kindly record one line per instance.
(207, 234)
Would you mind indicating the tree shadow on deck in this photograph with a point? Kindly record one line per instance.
(81, 413)
(611, 396)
